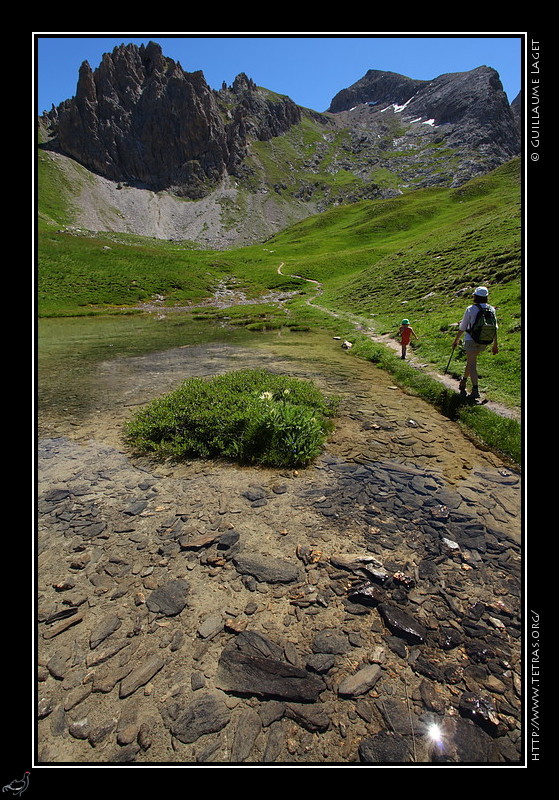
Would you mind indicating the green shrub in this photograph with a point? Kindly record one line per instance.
(250, 416)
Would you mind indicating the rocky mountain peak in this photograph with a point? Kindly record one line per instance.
(140, 118)
(143, 122)
(242, 83)
(468, 108)
(376, 87)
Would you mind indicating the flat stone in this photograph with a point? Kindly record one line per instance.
(107, 626)
(256, 644)
(95, 529)
(398, 716)
(56, 495)
(368, 594)
(100, 732)
(45, 706)
(135, 508)
(361, 682)
(76, 696)
(385, 748)
(403, 624)
(80, 729)
(93, 659)
(464, 742)
(210, 627)
(321, 662)
(249, 725)
(189, 542)
(56, 630)
(313, 719)
(204, 715)
(58, 665)
(255, 493)
(141, 675)
(331, 641)
(107, 677)
(266, 677)
(266, 568)
(480, 709)
(228, 540)
(169, 599)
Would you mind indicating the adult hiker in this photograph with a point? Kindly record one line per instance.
(406, 332)
(479, 324)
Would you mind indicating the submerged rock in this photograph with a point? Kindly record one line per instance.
(479, 709)
(255, 666)
(361, 682)
(266, 568)
(368, 594)
(204, 715)
(169, 599)
(403, 624)
(266, 677)
(385, 748)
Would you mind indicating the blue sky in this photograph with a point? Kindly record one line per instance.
(309, 68)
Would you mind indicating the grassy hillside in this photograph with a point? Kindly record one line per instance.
(420, 256)
(417, 256)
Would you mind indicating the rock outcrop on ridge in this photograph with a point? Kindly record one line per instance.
(468, 109)
(140, 117)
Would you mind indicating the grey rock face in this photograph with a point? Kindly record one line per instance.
(469, 108)
(139, 117)
(376, 86)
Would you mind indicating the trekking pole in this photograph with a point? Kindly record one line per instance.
(449, 360)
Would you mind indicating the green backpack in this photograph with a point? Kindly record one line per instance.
(484, 329)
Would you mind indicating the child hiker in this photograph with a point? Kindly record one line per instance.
(406, 332)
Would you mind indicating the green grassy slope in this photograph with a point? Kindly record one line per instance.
(417, 256)
(420, 256)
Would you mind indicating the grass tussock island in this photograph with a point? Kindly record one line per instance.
(418, 255)
(249, 416)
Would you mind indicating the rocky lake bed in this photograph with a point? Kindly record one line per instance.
(363, 610)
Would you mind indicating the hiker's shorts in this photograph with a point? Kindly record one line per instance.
(473, 347)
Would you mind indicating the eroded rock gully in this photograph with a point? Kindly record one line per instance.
(206, 613)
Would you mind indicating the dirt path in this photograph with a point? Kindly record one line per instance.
(365, 328)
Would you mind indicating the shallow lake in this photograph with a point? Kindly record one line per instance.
(397, 480)
(90, 364)
(94, 371)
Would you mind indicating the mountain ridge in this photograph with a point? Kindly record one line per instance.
(251, 161)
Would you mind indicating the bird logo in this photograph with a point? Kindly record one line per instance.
(18, 787)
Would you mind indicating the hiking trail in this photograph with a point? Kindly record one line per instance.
(364, 327)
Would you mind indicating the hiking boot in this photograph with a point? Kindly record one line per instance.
(462, 388)
(474, 393)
